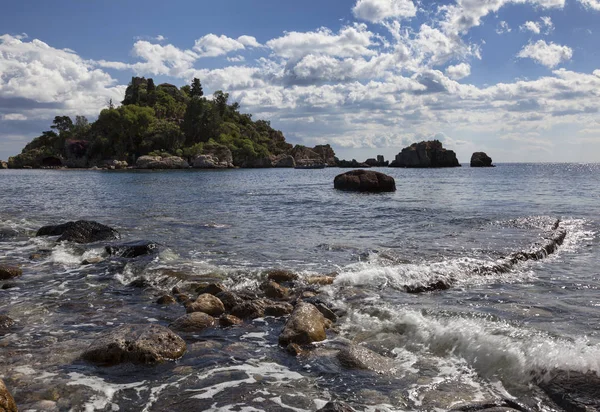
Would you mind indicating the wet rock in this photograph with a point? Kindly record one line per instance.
(278, 309)
(81, 231)
(132, 249)
(438, 285)
(364, 181)
(166, 300)
(6, 322)
(140, 344)
(229, 299)
(281, 276)
(9, 272)
(359, 357)
(7, 286)
(140, 282)
(206, 303)
(7, 403)
(480, 159)
(574, 391)
(93, 260)
(305, 325)
(213, 289)
(274, 290)
(251, 309)
(40, 254)
(336, 406)
(328, 313)
(322, 280)
(193, 322)
(503, 405)
(182, 298)
(295, 349)
(226, 321)
(7, 233)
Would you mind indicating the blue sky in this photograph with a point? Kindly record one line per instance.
(519, 79)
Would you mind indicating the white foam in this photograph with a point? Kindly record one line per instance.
(105, 390)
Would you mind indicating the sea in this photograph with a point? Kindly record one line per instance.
(491, 334)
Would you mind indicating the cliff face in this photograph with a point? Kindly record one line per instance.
(426, 154)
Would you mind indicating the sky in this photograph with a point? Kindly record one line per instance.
(518, 79)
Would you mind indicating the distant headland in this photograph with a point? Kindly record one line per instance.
(166, 127)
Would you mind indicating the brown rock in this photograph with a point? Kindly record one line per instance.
(166, 300)
(359, 357)
(9, 272)
(305, 325)
(193, 322)
(294, 349)
(6, 322)
(281, 276)
(229, 299)
(364, 181)
(275, 290)
(143, 344)
(229, 320)
(7, 403)
(250, 309)
(183, 298)
(212, 289)
(206, 303)
(278, 309)
(320, 280)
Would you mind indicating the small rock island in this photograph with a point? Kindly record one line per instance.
(426, 154)
(481, 159)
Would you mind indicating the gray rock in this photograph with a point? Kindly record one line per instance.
(284, 161)
(140, 344)
(193, 322)
(574, 391)
(81, 231)
(229, 299)
(158, 162)
(305, 325)
(364, 181)
(7, 233)
(359, 357)
(132, 249)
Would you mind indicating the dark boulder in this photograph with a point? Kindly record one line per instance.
(426, 154)
(6, 322)
(226, 321)
(278, 309)
(82, 231)
(365, 181)
(9, 272)
(212, 288)
(229, 299)
(206, 303)
(350, 164)
(274, 290)
(132, 249)
(281, 275)
(305, 325)
(480, 159)
(251, 309)
(7, 403)
(7, 233)
(166, 300)
(574, 391)
(193, 322)
(141, 344)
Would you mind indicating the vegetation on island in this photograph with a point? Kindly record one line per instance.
(161, 120)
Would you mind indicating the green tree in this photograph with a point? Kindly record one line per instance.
(196, 89)
(62, 124)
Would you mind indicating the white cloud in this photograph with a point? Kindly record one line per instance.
(212, 45)
(547, 22)
(14, 117)
(503, 27)
(350, 41)
(249, 41)
(236, 59)
(460, 71)
(536, 27)
(549, 55)
(591, 4)
(532, 27)
(376, 11)
(160, 37)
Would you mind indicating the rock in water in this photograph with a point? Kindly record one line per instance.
(140, 344)
(305, 325)
(364, 181)
(132, 249)
(336, 406)
(7, 403)
(193, 322)
(206, 303)
(426, 154)
(480, 159)
(6, 322)
(359, 357)
(574, 391)
(9, 272)
(82, 231)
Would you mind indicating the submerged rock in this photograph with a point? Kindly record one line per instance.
(81, 231)
(364, 181)
(359, 357)
(10, 272)
(574, 391)
(6, 322)
(426, 154)
(7, 233)
(166, 300)
(206, 303)
(140, 344)
(193, 322)
(480, 159)
(132, 249)
(226, 321)
(305, 325)
(7, 403)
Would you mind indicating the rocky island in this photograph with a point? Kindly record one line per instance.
(426, 154)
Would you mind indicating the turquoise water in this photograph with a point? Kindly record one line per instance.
(486, 337)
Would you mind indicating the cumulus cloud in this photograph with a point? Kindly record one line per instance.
(377, 11)
(591, 4)
(212, 45)
(547, 54)
(532, 27)
(459, 71)
(536, 27)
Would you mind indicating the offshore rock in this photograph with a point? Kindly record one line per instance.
(7, 403)
(140, 344)
(574, 391)
(480, 159)
(284, 161)
(379, 162)
(132, 249)
(359, 357)
(214, 157)
(305, 325)
(325, 151)
(9, 272)
(3, 164)
(304, 156)
(116, 164)
(354, 164)
(426, 154)
(193, 322)
(159, 162)
(364, 181)
(82, 231)
(206, 303)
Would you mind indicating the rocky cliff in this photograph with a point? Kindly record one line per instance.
(426, 154)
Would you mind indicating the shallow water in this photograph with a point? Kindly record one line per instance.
(488, 337)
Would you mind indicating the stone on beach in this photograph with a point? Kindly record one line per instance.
(305, 325)
(193, 322)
